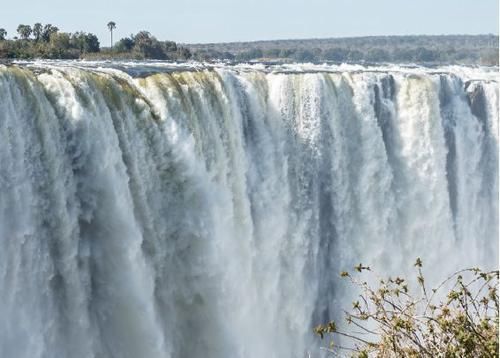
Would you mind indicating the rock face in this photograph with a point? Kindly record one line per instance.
(206, 212)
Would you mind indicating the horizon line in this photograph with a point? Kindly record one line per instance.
(336, 38)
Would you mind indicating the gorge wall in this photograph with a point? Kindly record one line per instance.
(207, 212)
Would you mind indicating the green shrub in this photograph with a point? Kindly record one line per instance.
(393, 321)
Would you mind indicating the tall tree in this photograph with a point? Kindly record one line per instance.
(111, 27)
(37, 31)
(125, 44)
(47, 31)
(3, 34)
(24, 31)
(85, 42)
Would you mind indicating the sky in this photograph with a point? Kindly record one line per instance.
(201, 21)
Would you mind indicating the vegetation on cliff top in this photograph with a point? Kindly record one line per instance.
(446, 49)
(47, 41)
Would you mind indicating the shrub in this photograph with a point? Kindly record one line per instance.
(391, 321)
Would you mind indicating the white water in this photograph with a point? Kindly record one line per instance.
(206, 212)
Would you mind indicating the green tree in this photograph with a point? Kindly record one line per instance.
(60, 41)
(24, 31)
(91, 43)
(111, 27)
(170, 46)
(143, 40)
(148, 46)
(3, 34)
(47, 31)
(85, 42)
(125, 44)
(37, 31)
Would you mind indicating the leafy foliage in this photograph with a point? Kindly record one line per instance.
(24, 31)
(46, 41)
(143, 45)
(392, 321)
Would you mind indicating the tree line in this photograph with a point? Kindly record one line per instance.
(442, 49)
(47, 41)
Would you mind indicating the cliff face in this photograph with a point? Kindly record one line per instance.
(207, 212)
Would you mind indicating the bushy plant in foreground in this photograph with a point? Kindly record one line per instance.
(459, 318)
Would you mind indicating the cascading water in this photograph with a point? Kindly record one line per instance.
(149, 210)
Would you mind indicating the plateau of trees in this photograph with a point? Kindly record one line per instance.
(446, 49)
(47, 41)
(458, 318)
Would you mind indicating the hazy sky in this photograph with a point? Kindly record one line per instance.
(239, 20)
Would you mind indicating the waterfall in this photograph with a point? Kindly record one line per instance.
(151, 210)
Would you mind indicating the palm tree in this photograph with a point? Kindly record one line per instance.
(111, 27)
(3, 34)
(25, 31)
(37, 31)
